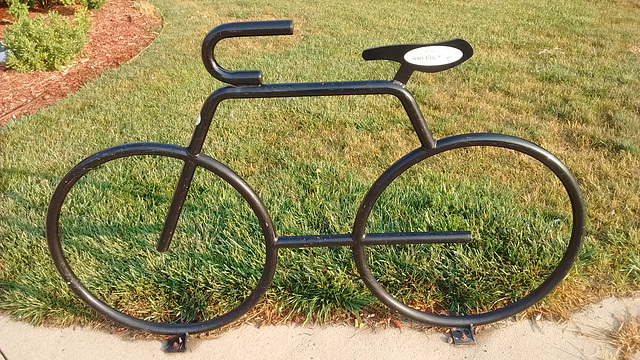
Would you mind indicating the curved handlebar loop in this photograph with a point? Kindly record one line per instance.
(239, 29)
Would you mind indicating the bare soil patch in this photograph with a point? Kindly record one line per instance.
(119, 31)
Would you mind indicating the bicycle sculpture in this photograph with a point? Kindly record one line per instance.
(248, 84)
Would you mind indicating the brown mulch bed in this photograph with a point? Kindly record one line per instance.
(119, 31)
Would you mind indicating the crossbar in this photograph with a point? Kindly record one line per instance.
(434, 237)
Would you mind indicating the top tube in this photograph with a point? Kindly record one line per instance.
(372, 87)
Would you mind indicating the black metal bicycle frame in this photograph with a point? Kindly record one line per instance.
(378, 87)
(248, 85)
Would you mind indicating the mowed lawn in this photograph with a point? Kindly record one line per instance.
(563, 74)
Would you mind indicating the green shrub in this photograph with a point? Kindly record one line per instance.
(38, 46)
(18, 9)
(93, 4)
(29, 2)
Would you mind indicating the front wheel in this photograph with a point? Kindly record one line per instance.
(104, 220)
(455, 262)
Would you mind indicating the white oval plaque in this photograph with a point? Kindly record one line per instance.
(433, 55)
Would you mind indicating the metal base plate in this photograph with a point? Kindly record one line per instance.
(463, 335)
(177, 343)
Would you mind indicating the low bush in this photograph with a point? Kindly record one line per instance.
(93, 4)
(18, 9)
(43, 3)
(90, 4)
(45, 42)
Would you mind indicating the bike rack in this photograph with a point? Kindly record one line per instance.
(248, 85)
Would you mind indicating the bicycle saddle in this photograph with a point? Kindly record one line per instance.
(428, 58)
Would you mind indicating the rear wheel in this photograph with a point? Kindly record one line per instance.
(501, 308)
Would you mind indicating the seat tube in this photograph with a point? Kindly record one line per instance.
(421, 128)
(175, 209)
(415, 115)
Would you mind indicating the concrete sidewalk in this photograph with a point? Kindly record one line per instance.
(584, 337)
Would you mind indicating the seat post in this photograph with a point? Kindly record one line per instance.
(403, 74)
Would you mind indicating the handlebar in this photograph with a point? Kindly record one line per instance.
(240, 29)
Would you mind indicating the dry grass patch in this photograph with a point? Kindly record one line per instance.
(147, 9)
(627, 337)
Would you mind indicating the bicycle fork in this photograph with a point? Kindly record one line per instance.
(175, 209)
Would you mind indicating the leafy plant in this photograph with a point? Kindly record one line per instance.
(93, 4)
(40, 2)
(18, 9)
(39, 45)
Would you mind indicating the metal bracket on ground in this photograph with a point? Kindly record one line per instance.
(177, 343)
(463, 335)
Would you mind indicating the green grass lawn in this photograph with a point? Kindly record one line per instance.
(563, 74)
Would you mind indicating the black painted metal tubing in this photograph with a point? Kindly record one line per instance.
(202, 160)
(468, 140)
(434, 237)
(240, 29)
